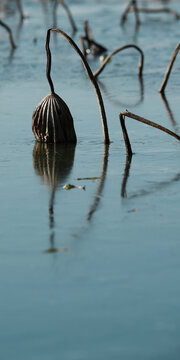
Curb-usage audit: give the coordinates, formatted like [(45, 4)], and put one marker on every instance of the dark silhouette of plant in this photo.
[(126, 113), (89, 45), (11, 40), (169, 68), (52, 121)]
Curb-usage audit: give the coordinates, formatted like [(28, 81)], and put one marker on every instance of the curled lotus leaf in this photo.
[(52, 121)]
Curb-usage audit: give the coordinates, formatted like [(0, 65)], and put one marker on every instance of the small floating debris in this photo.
[(71, 186), (54, 250), (132, 210), (89, 178)]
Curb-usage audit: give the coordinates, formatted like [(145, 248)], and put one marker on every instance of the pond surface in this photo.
[(90, 274)]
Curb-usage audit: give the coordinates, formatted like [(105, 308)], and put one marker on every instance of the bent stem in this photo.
[(89, 74), (91, 43), (9, 33), (126, 113), (158, 10), (61, 2), (169, 68), (19, 6), (141, 60)]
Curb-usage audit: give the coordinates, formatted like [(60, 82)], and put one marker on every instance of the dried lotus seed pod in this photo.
[(52, 121)]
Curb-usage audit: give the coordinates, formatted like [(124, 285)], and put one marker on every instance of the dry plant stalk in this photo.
[(158, 10), (19, 6), (141, 60), (46, 122), (9, 33), (92, 45), (126, 113), (169, 68), (70, 17), (132, 7)]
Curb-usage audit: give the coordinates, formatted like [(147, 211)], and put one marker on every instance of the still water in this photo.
[(89, 274)]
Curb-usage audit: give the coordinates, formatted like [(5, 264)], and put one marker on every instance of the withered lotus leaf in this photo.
[(52, 121)]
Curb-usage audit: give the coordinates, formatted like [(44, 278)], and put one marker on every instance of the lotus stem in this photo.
[(169, 68), (91, 43), (68, 14), (89, 74), (158, 10), (141, 60), (126, 113), (19, 6), (9, 33), (132, 7)]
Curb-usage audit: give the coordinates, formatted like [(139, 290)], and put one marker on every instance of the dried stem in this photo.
[(168, 71), (68, 14), (132, 7), (88, 71), (126, 113), (19, 6), (10, 34), (124, 14), (141, 61), (92, 45), (158, 10)]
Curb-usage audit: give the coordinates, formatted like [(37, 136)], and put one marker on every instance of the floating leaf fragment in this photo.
[(89, 178), (132, 210), (53, 250), (71, 186)]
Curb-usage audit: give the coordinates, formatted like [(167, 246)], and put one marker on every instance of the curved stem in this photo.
[(69, 15), (88, 71), (19, 6), (141, 61), (168, 71), (154, 10), (143, 120), (48, 66), (10, 34)]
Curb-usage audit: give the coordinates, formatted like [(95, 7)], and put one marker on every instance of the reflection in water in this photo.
[(171, 117), (126, 175), (53, 163), (101, 183), (154, 187), (116, 102)]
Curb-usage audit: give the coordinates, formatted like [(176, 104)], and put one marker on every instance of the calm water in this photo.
[(90, 274)]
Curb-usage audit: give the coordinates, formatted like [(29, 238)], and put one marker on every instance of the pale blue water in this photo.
[(111, 290)]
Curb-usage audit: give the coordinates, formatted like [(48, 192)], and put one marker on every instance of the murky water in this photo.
[(90, 274)]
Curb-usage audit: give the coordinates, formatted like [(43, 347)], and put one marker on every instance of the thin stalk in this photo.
[(134, 6), (89, 74), (69, 15), (9, 33), (126, 113), (154, 10), (125, 12), (169, 68), (141, 60), (19, 6)]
